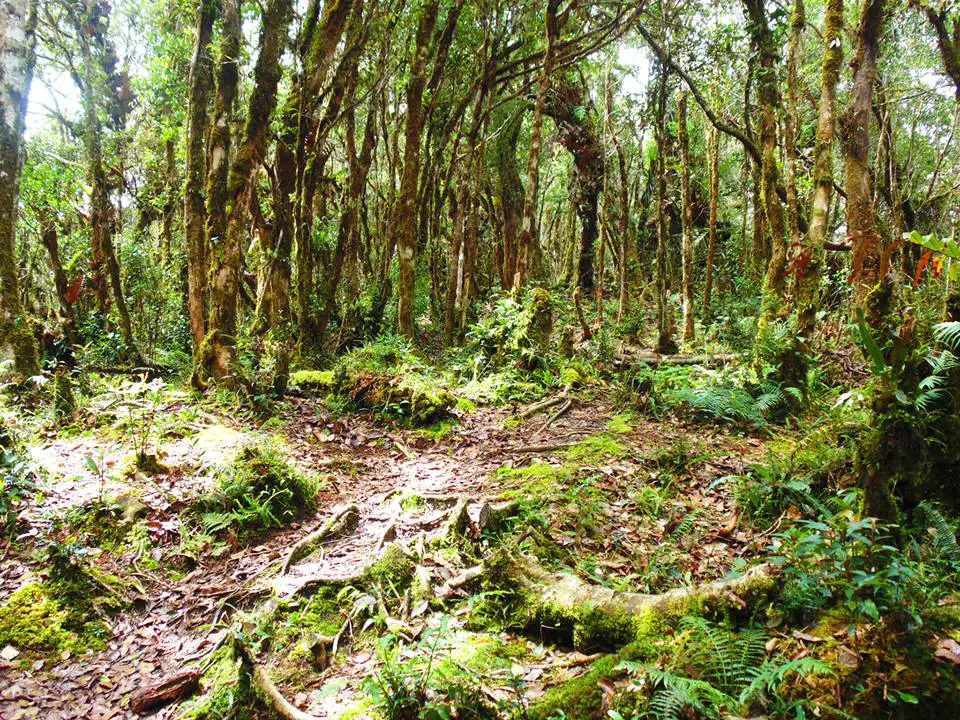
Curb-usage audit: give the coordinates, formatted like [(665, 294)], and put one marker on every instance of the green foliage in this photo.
[(259, 490), (18, 483), (724, 671), (846, 561), (512, 331)]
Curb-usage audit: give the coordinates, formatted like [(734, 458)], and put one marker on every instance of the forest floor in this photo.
[(403, 482)]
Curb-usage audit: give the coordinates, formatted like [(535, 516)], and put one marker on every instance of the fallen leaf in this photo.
[(9, 652)]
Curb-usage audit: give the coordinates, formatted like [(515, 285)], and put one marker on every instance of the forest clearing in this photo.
[(439, 360)]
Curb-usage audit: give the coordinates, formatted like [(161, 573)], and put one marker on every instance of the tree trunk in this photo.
[(553, 26), (404, 224), (49, 238), (686, 219), (17, 58), (220, 360), (194, 212), (713, 145), (855, 142), (810, 267), (791, 123), (218, 163), (665, 342), (511, 195), (91, 29), (768, 95)]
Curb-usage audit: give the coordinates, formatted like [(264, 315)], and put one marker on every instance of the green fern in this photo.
[(948, 333), (944, 539), (676, 696), (768, 677)]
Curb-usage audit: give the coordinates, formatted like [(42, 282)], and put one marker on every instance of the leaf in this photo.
[(90, 464), (870, 344)]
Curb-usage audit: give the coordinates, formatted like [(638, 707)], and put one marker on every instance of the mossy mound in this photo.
[(311, 380), (34, 620), (258, 490), (411, 398)]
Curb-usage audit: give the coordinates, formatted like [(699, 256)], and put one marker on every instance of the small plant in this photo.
[(18, 484), (846, 561), (259, 490), (725, 672)]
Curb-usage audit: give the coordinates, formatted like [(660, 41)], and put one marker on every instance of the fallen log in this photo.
[(343, 521), (166, 691), (597, 616)]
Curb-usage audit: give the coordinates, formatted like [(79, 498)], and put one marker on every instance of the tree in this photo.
[(17, 57), (686, 218)]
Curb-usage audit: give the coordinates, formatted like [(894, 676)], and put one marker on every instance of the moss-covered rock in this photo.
[(33, 620)]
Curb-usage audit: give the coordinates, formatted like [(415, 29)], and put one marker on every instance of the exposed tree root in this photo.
[(548, 447), (602, 616), (542, 405), (553, 418), (343, 521), (268, 691), (625, 360)]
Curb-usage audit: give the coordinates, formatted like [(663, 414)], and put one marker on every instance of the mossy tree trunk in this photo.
[(226, 266), (686, 219), (713, 149), (768, 95), (17, 57), (855, 142), (553, 25), (404, 216), (194, 211), (509, 191), (665, 341)]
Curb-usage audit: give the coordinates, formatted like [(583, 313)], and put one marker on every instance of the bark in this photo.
[(768, 96), (226, 265), (91, 30), (218, 158), (50, 239), (686, 219), (713, 145), (947, 29), (404, 217), (17, 57), (623, 215), (578, 134), (791, 123), (511, 196), (811, 259), (553, 24), (855, 143), (665, 342), (320, 35), (194, 211)]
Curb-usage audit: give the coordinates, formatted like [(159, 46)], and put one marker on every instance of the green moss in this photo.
[(438, 430), (465, 405), (411, 502), (596, 448), (227, 693), (312, 379), (578, 699), (620, 424), (34, 619), (394, 568)]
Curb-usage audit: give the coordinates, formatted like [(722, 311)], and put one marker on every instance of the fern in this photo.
[(676, 696), (726, 659), (767, 677), (948, 333), (944, 540)]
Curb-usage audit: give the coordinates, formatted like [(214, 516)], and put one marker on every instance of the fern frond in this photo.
[(766, 678), (944, 540), (948, 333)]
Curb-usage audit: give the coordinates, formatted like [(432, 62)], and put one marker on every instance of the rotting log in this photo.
[(625, 360), (166, 691)]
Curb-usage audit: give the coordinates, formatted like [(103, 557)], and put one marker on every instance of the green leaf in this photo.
[(874, 353), (90, 464)]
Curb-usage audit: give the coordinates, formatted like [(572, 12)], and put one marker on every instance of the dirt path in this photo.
[(175, 622)]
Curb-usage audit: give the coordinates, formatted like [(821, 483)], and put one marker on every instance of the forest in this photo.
[(449, 359)]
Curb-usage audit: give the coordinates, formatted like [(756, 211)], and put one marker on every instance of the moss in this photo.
[(466, 405), (596, 448), (580, 698), (570, 377), (226, 692), (393, 568), (312, 379), (411, 502), (620, 424), (64, 402), (34, 619), (438, 430)]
